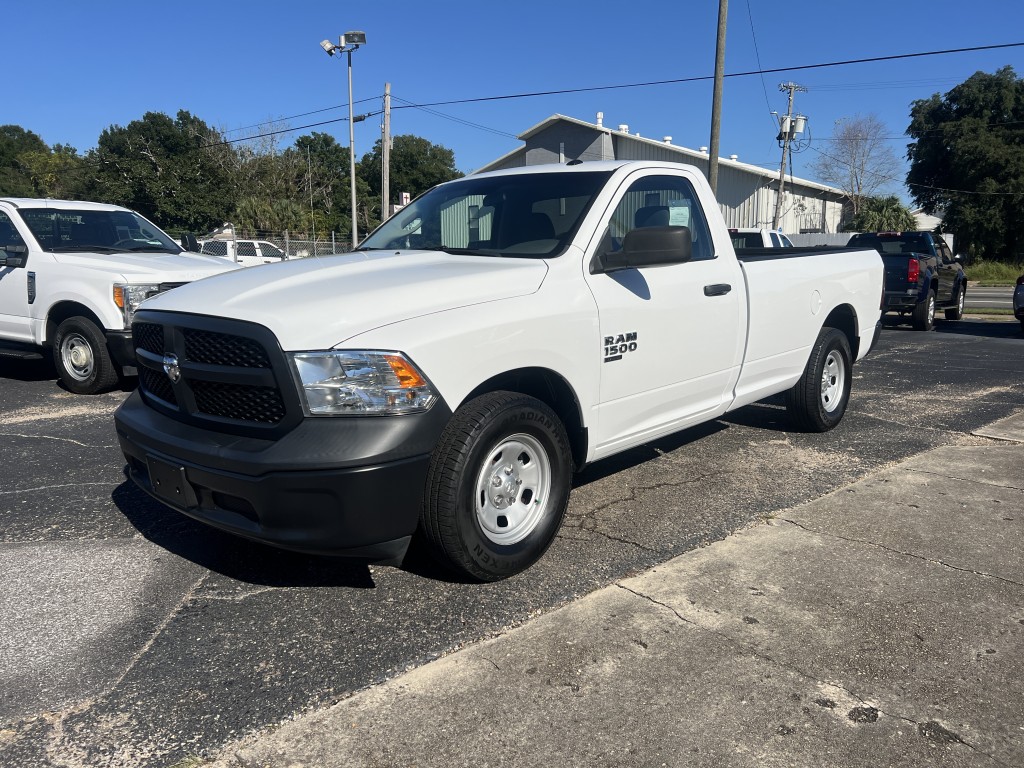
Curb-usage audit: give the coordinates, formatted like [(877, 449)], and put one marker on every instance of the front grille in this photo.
[(224, 349), (149, 336), (232, 401), (157, 384), (228, 375)]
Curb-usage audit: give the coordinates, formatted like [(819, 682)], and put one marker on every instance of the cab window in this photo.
[(660, 201), (8, 234)]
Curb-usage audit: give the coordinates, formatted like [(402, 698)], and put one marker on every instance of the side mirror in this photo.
[(13, 256), (650, 247), (189, 243)]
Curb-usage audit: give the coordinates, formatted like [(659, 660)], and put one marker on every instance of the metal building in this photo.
[(746, 193)]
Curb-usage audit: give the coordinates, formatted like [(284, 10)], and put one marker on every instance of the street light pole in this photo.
[(349, 42), (352, 154)]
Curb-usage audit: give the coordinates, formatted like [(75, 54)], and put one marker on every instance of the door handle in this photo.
[(718, 289)]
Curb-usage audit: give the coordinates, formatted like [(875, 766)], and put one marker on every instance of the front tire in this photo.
[(817, 402), (498, 486), (957, 312), (81, 357), (924, 313)]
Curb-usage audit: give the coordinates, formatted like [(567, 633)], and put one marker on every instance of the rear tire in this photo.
[(957, 312), (498, 486), (81, 357), (924, 313), (817, 402)]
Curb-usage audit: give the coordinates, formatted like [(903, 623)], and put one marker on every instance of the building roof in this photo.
[(686, 154)]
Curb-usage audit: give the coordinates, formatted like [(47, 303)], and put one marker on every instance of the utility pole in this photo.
[(788, 128), (385, 156), (716, 98)]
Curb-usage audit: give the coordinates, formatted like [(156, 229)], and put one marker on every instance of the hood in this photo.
[(317, 303), (150, 267)]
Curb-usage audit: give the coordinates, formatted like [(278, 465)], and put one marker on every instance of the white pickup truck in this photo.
[(72, 274), (754, 237), (500, 332)]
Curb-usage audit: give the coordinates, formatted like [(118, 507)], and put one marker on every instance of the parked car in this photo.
[(921, 275), (1018, 302), (500, 332), (72, 275), (752, 237), (248, 253)]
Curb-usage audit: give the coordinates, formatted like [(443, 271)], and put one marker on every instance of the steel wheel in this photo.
[(512, 489), (833, 381), (78, 356), (498, 486)]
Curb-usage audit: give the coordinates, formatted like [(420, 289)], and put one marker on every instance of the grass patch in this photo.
[(994, 272), (988, 311)]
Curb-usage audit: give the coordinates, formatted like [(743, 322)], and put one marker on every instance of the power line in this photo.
[(456, 119), (757, 56), (703, 78)]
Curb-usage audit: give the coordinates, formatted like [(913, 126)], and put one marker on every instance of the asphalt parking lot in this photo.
[(134, 636)]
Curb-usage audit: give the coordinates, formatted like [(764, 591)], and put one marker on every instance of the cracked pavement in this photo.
[(134, 636)]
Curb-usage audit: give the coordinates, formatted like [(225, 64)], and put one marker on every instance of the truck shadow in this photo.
[(43, 370), (970, 326), (644, 453), (232, 556)]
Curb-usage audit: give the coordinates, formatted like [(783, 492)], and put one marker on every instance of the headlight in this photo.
[(360, 382), (128, 297)]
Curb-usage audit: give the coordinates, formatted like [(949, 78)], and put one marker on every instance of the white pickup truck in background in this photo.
[(72, 274), (500, 332), (752, 237)]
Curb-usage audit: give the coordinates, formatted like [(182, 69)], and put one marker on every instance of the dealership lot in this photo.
[(136, 636)]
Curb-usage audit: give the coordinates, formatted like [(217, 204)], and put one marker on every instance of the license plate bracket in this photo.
[(170, 483)]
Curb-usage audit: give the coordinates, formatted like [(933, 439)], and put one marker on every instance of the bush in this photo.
[(994, 272)]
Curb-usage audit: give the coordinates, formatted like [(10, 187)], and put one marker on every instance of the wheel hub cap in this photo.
[(833, 381), (512, 489)]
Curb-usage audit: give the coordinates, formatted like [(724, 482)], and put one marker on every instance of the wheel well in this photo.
[(552, 390), (844, 318), (61, 312)]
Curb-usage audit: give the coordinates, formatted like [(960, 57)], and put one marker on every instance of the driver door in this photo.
[(14, 299), (672, 336)]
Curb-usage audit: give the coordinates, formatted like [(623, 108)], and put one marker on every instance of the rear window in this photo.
[(746, 239)]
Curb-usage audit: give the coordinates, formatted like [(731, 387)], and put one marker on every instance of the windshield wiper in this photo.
[(461, 251), (149, 248), (85, 249)]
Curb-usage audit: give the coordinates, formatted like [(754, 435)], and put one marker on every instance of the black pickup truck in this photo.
[(921, 274)]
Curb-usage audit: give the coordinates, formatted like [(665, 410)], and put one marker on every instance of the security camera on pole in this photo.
[(790, 126), (349, 42)]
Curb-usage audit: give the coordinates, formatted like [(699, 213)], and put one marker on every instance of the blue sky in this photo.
[(76, 68)]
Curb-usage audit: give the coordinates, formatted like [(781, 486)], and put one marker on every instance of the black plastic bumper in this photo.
[(340, 486), (122, 350)]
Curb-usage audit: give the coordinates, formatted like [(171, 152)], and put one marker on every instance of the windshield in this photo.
[(66, 231), (532, 215)]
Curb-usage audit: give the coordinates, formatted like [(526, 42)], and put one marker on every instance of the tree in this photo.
[(858, 160), (55, 173), (15, 177), (882, 214), (416, 166), (167, 170), (967, 162)]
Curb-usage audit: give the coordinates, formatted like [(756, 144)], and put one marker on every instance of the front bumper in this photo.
[(122, 350), (340, 486)]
